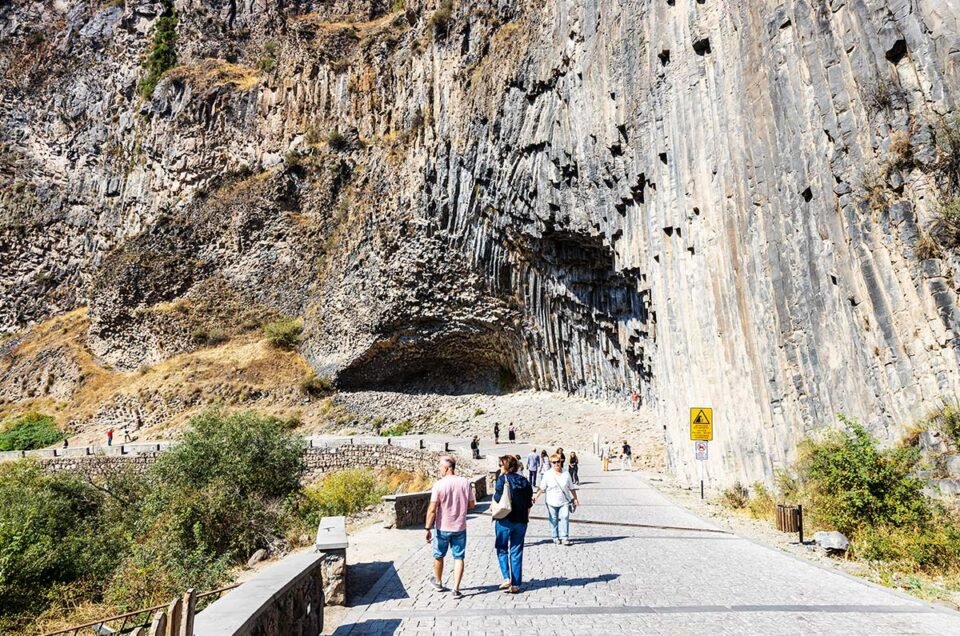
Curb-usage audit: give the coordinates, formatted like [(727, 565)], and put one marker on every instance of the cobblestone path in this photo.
[(679, 578)]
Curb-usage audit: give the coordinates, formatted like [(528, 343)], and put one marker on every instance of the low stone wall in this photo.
[(331, 459), (99, 465), (283, 599), (410, 509)]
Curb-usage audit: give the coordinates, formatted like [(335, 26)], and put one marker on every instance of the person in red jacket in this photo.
[(110, 437)]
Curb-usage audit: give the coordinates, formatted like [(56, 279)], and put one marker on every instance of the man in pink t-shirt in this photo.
[(450, 499)]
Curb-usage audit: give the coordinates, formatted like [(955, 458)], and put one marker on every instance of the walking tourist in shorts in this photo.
[(451, 498)]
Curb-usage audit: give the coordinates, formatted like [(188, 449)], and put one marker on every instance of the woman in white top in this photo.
[(560, 493)]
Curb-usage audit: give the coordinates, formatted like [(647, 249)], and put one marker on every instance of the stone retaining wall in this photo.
[(330, 459), (285, 598), (410, 509)]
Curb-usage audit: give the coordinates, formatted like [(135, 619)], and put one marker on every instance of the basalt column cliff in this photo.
[(728, 204)]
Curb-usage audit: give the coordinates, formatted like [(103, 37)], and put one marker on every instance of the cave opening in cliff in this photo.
[(435, 357)]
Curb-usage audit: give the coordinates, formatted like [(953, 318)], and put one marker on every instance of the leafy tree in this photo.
[(30, 431)]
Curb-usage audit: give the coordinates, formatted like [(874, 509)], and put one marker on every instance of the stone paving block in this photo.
[(661, 570)]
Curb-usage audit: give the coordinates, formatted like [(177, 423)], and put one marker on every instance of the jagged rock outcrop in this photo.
[(720, 203)]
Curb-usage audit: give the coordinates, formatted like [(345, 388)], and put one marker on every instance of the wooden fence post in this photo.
[(159, 625), (188, 608), (174, 617)]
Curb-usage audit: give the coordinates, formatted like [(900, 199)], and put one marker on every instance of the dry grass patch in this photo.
[(213, 73)]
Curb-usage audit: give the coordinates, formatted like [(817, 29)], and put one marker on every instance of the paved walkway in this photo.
[(625, 579)]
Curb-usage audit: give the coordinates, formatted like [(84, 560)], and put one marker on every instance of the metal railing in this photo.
[(128, 625)]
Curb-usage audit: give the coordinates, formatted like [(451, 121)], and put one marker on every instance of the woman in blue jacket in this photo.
[(511, 530)]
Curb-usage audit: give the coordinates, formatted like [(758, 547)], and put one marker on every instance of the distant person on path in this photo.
[(110, 436), (635, 400), (544, 467), (519, 464), (126, 433), (475, 447), (512, 432), (626, 457), (65, 443), (533, 466), (561, 494), (574, 468), (450, 499), (605, 456), (510, 531), (563, 458), (496, 432)]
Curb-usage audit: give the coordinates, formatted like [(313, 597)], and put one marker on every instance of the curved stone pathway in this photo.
[(627, 579)]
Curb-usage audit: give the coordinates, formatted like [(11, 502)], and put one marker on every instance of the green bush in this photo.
[(51, 533), (342, 493), (763, 504), (441, 19), (163, 53), (933, 548), (337, 142), (947, 419), (401, 428), (736, 497), (284, 334), (315, 385), (30, 431), (853, 484), (946, 224)]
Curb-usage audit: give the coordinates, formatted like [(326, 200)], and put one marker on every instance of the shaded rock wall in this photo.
[(700, 200)]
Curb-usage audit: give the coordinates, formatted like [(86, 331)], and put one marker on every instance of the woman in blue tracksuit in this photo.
[(511, 530)]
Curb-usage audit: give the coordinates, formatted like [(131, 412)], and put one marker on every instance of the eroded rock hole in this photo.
[(664, 56), (807, 195), (897, 51), (701, 46), (663, 158)]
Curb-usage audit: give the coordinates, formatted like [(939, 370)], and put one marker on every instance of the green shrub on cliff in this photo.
[(284, 334), (30, 431), (163, 52), (342, 493)]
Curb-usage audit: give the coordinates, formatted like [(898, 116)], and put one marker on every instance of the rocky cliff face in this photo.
[(727, 204)]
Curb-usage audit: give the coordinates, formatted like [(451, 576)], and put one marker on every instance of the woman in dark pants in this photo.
[(511, 530), (574, 468)]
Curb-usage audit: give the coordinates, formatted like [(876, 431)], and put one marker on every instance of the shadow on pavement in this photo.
[(364, 576), (379, 626), (562, 581), (576, 540)]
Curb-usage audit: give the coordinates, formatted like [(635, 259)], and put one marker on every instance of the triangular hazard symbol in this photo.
[(701, 419)]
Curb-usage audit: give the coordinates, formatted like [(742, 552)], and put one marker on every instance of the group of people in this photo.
[(626, 456), (511, 432), (550, 477)]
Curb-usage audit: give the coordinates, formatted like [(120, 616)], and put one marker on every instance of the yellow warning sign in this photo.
[(701, 424)]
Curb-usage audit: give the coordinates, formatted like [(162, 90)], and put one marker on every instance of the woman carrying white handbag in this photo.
[(512, 501), (561, 499)]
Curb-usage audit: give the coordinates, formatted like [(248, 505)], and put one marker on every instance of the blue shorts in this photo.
[(456, 541)]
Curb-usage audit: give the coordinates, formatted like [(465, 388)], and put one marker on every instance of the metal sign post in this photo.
[(701, 432)]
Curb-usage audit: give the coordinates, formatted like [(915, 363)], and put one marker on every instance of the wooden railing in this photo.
[(173, 619)]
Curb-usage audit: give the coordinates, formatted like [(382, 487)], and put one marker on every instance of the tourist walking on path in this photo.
[(110, 436), (510, 531), (475, 447), (626, 457), (574, 468), (450, 499), (533, 466), (544, 467), (512, 432), (605, 456), (496, 432), (563, 458), (561, 496), (635, 400)]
